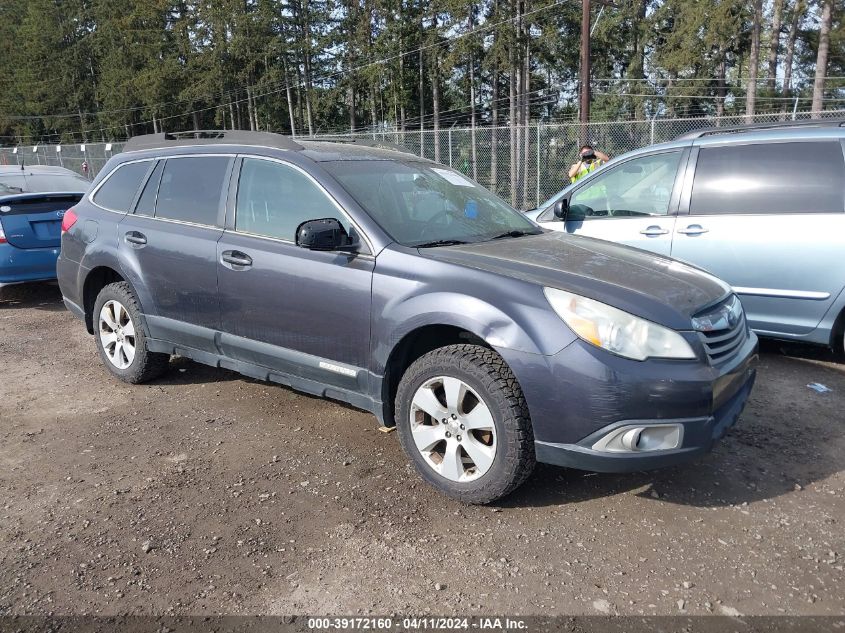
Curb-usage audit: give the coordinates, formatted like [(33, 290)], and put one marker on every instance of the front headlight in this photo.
[(616, 330)]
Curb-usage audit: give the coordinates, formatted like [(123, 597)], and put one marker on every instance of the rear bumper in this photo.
[(27, 264), (74, 309)]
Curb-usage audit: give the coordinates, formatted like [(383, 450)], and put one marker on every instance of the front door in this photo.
[(300, 312), (629, 203), (768, 218)]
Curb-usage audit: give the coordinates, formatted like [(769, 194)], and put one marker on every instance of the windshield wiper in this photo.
[(441, 243), (514, 233)]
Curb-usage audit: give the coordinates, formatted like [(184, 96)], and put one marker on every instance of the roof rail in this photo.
[(209, 137), (753, 127), (365, 142)]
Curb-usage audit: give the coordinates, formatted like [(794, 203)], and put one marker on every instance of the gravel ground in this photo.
[(206, 492)]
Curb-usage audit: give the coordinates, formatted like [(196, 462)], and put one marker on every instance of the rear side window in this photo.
[(800, 177), (190, 189), (119, 189)]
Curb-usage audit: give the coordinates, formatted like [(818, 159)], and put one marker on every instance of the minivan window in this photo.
[(638, 187), (274, 199), (147, 202), (423, 204), (190, 189), (118, 191), (797, 177)]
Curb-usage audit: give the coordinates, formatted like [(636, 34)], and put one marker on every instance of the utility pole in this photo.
[(584, 117)]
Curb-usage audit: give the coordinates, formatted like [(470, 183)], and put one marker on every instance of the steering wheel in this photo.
[(437, 218)]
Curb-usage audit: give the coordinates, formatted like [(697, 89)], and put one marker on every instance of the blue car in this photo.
[(33, 202)]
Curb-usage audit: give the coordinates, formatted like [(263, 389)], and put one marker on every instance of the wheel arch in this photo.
[(411, 346), (96, 279), (837, 335)]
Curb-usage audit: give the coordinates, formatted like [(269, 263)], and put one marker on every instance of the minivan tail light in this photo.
[(3, 239), (69, 220)]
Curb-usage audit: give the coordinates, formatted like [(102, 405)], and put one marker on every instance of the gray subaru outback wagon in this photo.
[(399, 286)]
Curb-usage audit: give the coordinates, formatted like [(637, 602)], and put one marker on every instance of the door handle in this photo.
[(135, 238), (693, 229), (236, 258), (654, 230)]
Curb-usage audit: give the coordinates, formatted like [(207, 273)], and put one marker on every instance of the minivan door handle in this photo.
[(236, 259), (654, 230), (693, 229), (135, 238)]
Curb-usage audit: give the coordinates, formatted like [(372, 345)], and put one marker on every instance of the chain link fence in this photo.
[(522, 164)]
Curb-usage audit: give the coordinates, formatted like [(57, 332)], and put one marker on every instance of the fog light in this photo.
[(631, 439), (641, 438)]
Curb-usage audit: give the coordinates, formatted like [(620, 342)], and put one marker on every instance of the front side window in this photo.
[(419, 203), (274, 199), (191, 189), (800, 177), (636, 188), (118, 191)]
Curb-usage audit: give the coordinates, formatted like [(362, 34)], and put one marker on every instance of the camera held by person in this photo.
[(589, 159)]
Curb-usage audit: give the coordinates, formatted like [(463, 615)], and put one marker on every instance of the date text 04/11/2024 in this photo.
[(417, 623)]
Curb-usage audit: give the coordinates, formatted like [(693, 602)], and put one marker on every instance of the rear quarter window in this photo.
[(769, 178), (119, 189)]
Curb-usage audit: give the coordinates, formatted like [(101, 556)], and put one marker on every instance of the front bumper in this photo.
[(27, 264), (581, 394), (699, 437)]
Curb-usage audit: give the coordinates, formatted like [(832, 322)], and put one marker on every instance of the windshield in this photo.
[(33, 183), (420, 204)]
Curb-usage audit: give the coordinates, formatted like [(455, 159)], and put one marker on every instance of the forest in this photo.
[(90, 70)]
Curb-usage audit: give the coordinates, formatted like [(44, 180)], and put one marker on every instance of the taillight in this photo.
[(3, 239), (68, 220)]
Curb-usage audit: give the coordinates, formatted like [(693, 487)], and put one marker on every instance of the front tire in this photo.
[(120, 336), (463, 420)]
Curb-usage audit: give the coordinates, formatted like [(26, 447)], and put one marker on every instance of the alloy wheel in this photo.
[(117, 334), (453, 429)]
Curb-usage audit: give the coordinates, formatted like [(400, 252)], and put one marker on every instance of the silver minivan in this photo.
[(762, 207)]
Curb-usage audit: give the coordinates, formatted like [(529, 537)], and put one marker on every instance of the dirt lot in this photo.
[(206, 492)]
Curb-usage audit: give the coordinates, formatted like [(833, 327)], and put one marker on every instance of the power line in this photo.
[(480, 29)]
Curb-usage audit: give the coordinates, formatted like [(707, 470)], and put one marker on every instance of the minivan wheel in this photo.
[(463, 421), (120, 336)]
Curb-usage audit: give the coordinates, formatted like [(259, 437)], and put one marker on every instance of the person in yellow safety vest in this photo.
[(589, 160)]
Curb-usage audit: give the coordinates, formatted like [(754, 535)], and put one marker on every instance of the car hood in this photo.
[(653, 287)]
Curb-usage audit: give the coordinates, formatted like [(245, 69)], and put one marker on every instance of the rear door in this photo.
[(769, 218), (632, 202), (169, 245), (35, 220)]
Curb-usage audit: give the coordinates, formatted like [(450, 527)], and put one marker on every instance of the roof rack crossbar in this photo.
[(752, 127), (209, 137)]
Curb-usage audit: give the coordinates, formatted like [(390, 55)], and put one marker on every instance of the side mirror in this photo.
[(324, 235), (561, 208)]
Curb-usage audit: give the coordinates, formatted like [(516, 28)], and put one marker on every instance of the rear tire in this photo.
[(463, 421), (120, 336)]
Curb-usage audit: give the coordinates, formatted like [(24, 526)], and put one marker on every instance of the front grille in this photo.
[(722, 330)]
